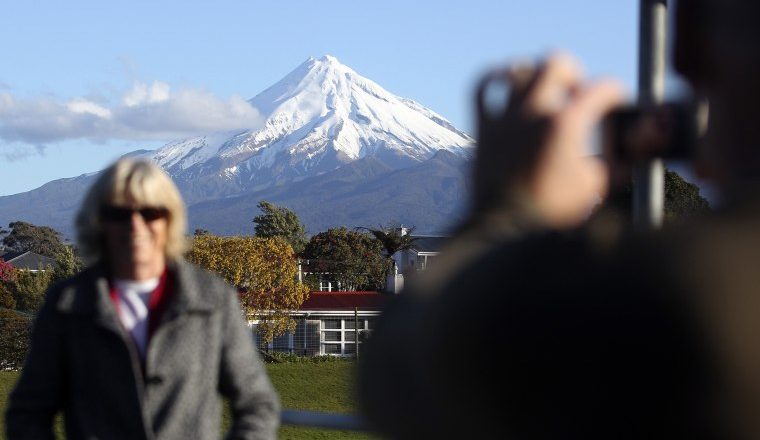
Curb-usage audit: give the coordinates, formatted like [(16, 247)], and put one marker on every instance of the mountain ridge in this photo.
[(323, 124)]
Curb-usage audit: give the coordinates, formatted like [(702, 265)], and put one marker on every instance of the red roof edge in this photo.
[(345, 301)]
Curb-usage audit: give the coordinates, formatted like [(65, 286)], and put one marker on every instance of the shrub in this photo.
[(282, 358), (15, 332), (29, 288), (6, 297)]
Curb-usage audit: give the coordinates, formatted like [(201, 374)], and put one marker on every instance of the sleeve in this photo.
[(243, 380), (38, 394)]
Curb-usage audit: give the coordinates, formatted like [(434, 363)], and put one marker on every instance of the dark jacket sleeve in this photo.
[(39, 392), (243, 380)]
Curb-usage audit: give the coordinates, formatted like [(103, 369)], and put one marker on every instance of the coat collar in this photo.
[(90, 295), (188, 294)]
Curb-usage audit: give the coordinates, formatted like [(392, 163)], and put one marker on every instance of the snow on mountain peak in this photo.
[(319, 116), (329, 59)]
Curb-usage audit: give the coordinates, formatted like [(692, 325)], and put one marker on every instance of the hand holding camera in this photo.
[(532, 144), (536, 134)]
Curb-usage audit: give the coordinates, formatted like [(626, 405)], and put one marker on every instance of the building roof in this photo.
[(429, 243), (28, 260), (348, 301), (8, 256)]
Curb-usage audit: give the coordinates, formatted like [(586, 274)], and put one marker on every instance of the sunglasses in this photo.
[(121, 214)]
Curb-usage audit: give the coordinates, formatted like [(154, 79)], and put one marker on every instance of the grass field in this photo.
[(309, 386)]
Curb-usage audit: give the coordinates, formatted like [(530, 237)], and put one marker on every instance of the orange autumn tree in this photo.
[(265, 270)]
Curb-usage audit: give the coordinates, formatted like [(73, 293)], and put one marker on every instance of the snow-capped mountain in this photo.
[(318, 117), (332, 145)]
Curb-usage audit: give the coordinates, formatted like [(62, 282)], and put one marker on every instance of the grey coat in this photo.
[(84, 363)]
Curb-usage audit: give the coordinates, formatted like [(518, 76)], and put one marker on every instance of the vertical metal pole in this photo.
[(649, 176), (356, 331)]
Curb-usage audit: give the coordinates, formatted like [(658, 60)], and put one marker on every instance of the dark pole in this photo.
[(649, 176), (356, 331)]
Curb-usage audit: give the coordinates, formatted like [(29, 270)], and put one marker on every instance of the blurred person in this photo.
[(538, 325), (141, 344)]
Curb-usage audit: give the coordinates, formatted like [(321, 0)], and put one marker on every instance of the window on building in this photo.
[(328, 336), (331, 323), (338, 335)]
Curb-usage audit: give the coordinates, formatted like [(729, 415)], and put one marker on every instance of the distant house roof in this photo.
[(429, 243), (348, 301), (28, 260)]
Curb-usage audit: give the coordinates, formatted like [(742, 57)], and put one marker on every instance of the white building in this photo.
[(327, 323)]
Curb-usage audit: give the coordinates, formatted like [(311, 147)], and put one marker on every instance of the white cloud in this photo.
[(141, 94), (145, 112), (82, 106)]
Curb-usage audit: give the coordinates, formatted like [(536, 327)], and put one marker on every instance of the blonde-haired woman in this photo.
[(140, 344)]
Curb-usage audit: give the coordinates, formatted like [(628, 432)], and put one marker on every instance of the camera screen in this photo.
[(640, 133)]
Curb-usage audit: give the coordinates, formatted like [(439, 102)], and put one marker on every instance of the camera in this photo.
[(668, 131)]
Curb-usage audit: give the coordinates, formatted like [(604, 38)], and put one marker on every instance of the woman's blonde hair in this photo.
[(130, 181)]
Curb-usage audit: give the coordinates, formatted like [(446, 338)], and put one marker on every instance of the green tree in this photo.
[(263, 269), (392, 239), (6, 297), (15, 329), (28, 290), (25, 290), (352, 258), (3, 232), (276, 221), (67, 264), (682, 199), (26, 237)]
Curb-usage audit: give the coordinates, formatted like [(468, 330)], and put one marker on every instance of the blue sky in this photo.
[(93, 57)]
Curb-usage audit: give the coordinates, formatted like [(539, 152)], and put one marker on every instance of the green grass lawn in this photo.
[(323, 386)]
